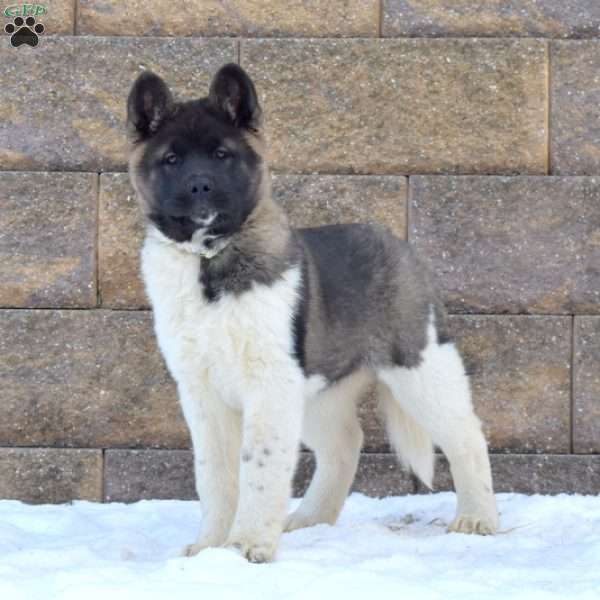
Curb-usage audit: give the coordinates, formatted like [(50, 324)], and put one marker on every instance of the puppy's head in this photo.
[(196, 166)]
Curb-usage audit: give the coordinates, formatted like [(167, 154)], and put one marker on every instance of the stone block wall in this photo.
[(470, 128)]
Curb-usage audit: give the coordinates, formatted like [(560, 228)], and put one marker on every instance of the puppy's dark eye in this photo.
[(221, 153), (170, 158)]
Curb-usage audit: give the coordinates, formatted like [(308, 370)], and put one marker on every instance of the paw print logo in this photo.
[(24, 31)]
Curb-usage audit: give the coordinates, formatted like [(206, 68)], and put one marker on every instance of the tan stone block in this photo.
[(85, 379), (575, 102), (586, 385), (533, 474), (69, 112), (372, 424), (120, 236), (521, 379), (377, 475), (402, 106), (47, 239), (381, 475), (60, 18), (312, 200), (316, 18), (510, 244), (50, 475), (495, 18), (131, 475)]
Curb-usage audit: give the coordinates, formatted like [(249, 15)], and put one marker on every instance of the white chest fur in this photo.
[(223, 346)]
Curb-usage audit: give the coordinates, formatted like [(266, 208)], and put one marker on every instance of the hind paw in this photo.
[(473, 524)]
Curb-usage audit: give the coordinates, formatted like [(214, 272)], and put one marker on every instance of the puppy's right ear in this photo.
[(150, 102)]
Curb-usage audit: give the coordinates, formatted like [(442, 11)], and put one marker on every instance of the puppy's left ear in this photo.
[(233, 94)]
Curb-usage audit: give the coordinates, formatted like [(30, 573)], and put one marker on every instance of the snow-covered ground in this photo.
[(390, 548)]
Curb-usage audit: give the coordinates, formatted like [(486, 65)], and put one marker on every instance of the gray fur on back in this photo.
[(367, 301)]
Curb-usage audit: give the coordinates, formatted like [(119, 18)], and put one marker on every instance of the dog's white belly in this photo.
[(217, 349)]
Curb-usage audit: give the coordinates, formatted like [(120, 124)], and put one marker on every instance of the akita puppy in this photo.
[(272, 333)]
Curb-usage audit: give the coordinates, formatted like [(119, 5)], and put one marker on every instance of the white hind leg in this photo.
[(411, 442), (437, 396), (331, 429)]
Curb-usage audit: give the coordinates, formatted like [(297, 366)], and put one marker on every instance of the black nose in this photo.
[(200, 186)]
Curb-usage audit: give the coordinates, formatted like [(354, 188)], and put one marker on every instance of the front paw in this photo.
[(254, 551)]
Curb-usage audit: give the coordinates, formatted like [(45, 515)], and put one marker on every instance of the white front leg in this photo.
[(216, 434), (272, 424)]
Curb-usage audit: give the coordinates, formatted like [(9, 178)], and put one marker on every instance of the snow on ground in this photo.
[(389, 548)]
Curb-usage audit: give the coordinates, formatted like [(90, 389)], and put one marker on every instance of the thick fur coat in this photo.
[(273, 334)]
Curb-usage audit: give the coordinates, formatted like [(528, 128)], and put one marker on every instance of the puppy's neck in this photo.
[(267, 228), (259, 253)]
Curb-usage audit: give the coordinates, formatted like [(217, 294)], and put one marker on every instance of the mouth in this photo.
[(215, 225), (178, 229), (204, 221), (211, 232)]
